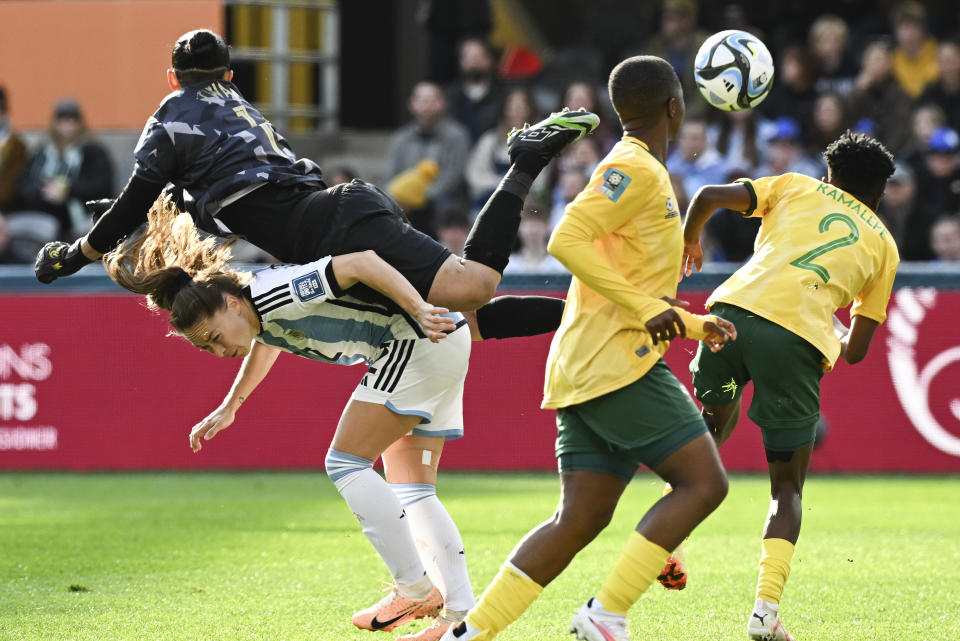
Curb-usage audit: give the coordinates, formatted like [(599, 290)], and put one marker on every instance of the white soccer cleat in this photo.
[(462, 632), (765, 625), (593, 623)]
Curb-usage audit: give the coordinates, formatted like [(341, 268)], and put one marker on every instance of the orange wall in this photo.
[(110, 55)]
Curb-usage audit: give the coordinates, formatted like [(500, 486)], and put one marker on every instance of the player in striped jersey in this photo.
[(407, 404)]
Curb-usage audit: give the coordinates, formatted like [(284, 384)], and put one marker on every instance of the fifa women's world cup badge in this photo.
[(925, 391), (614, 184)]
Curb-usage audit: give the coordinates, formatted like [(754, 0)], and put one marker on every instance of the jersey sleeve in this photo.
[(154, 155), (314, 282), (764, 193), (611, 199), (307, 284), (872, 301)]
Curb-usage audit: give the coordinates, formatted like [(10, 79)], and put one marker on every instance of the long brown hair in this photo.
[(175, 268)]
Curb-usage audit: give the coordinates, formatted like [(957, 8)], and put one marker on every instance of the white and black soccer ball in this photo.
[(734, 70)]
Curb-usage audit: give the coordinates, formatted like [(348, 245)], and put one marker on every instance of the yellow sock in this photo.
[(502, 603), (638, 566), (774, 569)]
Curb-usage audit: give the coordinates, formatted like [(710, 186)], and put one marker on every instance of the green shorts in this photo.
[(785, 370), (642, 423)]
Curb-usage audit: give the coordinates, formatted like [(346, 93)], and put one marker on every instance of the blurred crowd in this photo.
[(893, 72), (887, 74)]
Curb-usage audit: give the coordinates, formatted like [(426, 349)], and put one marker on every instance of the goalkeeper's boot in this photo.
[(765, 625), (674, 575), (593, 623), (548, 137), (394, 610)]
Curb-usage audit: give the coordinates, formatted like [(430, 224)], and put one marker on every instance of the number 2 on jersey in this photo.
[(806, 261)]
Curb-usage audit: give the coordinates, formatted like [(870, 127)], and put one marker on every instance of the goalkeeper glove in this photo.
[(58, 259)]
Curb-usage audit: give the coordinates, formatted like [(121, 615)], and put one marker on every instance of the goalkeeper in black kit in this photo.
[(245, 180)]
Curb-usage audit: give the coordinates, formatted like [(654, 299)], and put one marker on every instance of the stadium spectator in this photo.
[(10, 254), (453, 227), (877, 96), (945, 239), (695, 159), (923, 122), (570, 183), (67, 170), (580, 94), (727, 236), (915, 55), (488, 160), (836, 69), (792, 93), (432, 135), (581, 156), (475, 100), (898, 211), (945, 91), (785, 152), (447, 23), (738, 136), (533, 258), (13, 154), (829, 121), (677, 42), (938, 184)]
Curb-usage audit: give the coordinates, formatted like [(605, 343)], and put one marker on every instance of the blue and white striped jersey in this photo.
[(303, 311)]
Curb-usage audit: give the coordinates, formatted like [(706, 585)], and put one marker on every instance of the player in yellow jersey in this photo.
[(819, 248), (619, 406)]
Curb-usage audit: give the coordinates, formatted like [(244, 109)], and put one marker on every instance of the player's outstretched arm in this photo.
[(368, 268), (129, 211), (705, 202), (253, 370), (856, 343)]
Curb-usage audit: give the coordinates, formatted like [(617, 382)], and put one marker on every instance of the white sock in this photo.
[(439, 543), (765, 606), (381, 517)]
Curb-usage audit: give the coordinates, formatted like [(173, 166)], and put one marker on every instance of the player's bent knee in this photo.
[(584, 524), (342, 467)]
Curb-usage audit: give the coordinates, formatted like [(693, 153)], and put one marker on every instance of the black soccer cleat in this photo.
[(548, 137)]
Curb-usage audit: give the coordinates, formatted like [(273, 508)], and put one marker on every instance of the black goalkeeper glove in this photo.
[(58, 259)]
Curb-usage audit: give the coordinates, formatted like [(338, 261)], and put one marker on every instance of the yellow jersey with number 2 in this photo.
[(818, 250), (622, 240)]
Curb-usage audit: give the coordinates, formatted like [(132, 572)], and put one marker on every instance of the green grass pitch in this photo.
[(278, 556)]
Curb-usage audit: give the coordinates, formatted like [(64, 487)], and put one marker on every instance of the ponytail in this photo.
[(167, 261)]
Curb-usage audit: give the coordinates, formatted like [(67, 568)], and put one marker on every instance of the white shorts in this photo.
[(416, 376)]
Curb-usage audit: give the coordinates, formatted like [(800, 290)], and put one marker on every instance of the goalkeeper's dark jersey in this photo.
[(207, 139)]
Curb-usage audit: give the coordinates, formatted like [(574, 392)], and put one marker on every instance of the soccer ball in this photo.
[(733, 70)]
